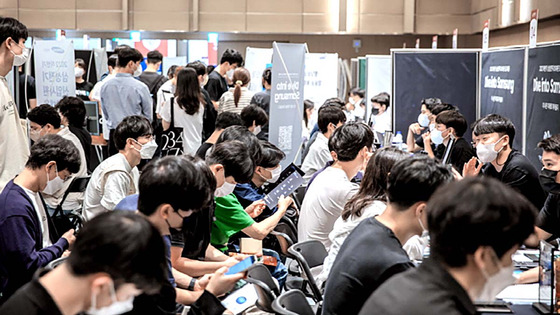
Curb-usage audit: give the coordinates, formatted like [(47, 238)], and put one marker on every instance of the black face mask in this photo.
[(548, 181), (375, 111)]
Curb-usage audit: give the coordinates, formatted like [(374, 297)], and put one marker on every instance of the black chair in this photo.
[(286, 235), (64, 222), (55, 263), (292, 302), (310, 254), (266, 288), (261, 273)]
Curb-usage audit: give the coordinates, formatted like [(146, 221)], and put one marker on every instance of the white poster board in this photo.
[(54, 70), (256, 60), (100, 58), (170, 61), (321, 77), (378, 77)]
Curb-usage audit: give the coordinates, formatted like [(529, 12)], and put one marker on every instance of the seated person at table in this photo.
[(373, 252), (494, 148), (425, 123), (548, 221), (325, 199), (223, 121), (254, 118), (460, 270), (330, 117), (28, 239), (117, 176), (268, 171), (450, 124), (72, 112)]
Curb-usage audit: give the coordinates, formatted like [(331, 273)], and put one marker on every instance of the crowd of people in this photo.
[(157, 232)]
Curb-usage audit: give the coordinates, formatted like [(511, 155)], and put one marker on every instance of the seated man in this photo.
[(548, 221), (223, 121), (494, 148), (325, 199), (373, 252), (117, 176), (460, 270), (28, 240), (330, 117), (44, 120), (254, 118)]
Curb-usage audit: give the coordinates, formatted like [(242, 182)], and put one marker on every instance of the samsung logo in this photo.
[(57, 50)]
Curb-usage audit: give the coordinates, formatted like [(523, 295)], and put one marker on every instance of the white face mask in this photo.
[(423, 120), (53, 185), (352, 101), (78, 72), (432, 127), (257, 130), (117, 307), (496, 282), (229, 74), (275, 173), (138, 71), (147, 151), (35, 135), (19, 60), (437, 136), (224, 190), (486, 152)]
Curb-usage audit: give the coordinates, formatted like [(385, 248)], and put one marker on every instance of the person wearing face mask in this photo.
[(83, 87), (217, 83), (210, 113), (262, 100), (356, 104), (548, 221), (425, 123), (373, 252), (223, 121), (494, 150), (254, 118), (124, 95), (29, 238), (117, 176), (450, 124), (13, 137), (44, 120), (116, 257), (461, 270), (380, 119)]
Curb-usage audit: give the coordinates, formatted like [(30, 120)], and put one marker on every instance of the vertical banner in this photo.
[(485, 35), (54, 71), (501, 87), (417, 46), (533, 28), (321, 77), (543, 98), (100, 58), (455, 35), (434, 42), (256, 60), (362, 72), (378, 78), (286, 101)]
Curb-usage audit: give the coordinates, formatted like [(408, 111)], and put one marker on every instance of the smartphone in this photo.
[(241, 266), (496, 307)]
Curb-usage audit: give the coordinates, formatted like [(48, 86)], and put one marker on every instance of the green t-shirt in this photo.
[(230, 219)]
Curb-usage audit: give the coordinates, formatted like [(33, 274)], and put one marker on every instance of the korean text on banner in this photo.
[(54, 71)]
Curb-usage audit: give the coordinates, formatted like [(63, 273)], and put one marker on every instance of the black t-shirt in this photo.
[(521, 175), (549, 217), (31, 94), (31, 299), (201, 152), (154, 81), (85, 139), (209, 119), (262, 99), (216, 86), (460, 154), (370, 255), (83, 89), (195, 234)]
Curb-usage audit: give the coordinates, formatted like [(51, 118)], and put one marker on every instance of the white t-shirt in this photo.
[(165, 92), (383, 122), (191, 124), (323, 204), (117, 186), (14, 144), (317, 157), (41, 215)]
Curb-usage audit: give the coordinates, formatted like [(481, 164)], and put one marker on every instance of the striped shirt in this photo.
[(228, 105)]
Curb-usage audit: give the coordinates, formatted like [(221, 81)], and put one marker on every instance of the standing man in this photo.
[(13, 139), (123, 95), (154, 81), (217, 83)]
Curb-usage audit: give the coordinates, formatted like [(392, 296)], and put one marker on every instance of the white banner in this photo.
[(321, 78), (54, 70), (256, 60), (172, 61), (100, 57), (378, 77)]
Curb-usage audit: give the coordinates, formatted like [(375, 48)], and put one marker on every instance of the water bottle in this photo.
[(398, 140)]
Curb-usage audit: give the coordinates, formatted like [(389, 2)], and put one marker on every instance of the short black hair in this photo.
[(171, 71), (334, 101), (127, 54), (226, 119), (198, 66), (382, 98), (453, 119), (551, 144), (10, 27), (329, 114), (54, 148), (124, 245), (185, 182), (74, 109), (474, 212), (271, 155), (44, 114), (357, 91), (248, 138), (112, 60), (81, 63), (436, 109), (236, 159), (267, 75), (430, 102), (253, 113), (232, 56), (495, 123), (348, 140), (131, 127), (415, 179), (154, 57)]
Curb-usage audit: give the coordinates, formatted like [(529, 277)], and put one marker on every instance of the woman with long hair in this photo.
[(371, 200), (188, 110), (239, 96)]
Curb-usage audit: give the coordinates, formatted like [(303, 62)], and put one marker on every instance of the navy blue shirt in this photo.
[(167, 241), (249, 193)]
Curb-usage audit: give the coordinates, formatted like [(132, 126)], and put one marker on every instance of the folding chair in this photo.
[(292, 302), (55, 263), (63, 222), (266, 288), (310, 254)]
